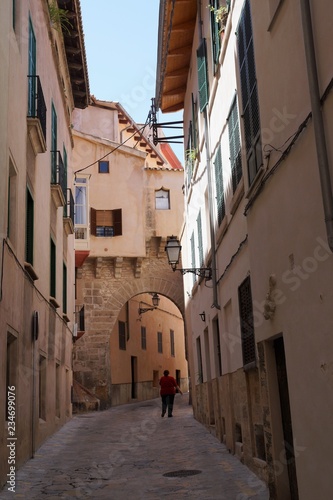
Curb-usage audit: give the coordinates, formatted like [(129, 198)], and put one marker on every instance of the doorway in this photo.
[(281, 370), (134, 376)]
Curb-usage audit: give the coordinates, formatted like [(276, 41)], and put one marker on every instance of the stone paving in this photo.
[(125, 452)]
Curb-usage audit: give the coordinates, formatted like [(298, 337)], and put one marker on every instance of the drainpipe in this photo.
[(209, 181), (317, 117)]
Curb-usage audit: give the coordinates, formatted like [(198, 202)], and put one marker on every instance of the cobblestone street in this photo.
[(128, 452)]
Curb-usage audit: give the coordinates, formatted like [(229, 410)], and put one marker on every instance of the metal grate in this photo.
[(182, 473), (246, 319)]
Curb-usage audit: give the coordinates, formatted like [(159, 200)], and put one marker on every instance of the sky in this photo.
[(121, 47)]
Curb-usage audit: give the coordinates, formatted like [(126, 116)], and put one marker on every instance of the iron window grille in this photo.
[(246, 322)]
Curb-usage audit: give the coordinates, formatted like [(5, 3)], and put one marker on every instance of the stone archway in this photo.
[(105, 285)]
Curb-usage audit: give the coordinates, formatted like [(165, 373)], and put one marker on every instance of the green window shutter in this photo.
[(64, 289), (235, 146), (215, 31), (32, 72), (52, 269), (202, 75), (219, 186), (194, 130), (29, 235), (193, 255), (249, 92), (200, 243)]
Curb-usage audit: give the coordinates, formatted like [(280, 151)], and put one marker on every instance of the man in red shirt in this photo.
[(168, 390)]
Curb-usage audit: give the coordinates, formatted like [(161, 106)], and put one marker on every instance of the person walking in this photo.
[(168, 390)]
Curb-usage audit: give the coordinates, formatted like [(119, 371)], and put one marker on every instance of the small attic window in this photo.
[(162, 199)]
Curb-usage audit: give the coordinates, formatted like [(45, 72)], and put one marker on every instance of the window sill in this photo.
[(250, 366), (54, 303), (30, 271)]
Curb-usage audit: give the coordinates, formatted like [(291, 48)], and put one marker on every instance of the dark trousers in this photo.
[(167, 403)]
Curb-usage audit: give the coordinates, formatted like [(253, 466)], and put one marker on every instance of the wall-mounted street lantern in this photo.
[(173, 249), (203, 316), (155, 300)]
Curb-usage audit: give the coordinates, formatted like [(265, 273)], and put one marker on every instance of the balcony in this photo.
[(69, 213), (58, 179), (36, 117)]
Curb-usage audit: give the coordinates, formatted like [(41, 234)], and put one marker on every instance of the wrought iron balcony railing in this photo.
[(36, 101), (58, 172)]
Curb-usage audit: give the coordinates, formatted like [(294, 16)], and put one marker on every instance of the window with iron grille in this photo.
[(202, 75), (200, 243), (172, 342), (159, 342), (106, 223), (143, 338), (249, 93), (235, 146), (220, 205), (122, 335), (246, 322)]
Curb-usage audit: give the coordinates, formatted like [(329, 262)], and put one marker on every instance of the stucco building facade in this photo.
[(254, 80), (129, 197), (40, 86)]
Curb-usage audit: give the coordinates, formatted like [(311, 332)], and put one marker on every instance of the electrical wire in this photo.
[(139, 130)]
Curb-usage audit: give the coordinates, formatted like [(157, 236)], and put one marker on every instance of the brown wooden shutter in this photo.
[(117, 222), (93, 221), (104, 218)]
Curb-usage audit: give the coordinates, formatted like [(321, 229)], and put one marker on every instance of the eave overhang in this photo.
[(75, 52), (177, 19)]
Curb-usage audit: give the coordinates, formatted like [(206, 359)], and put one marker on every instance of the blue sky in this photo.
[(121, 46)]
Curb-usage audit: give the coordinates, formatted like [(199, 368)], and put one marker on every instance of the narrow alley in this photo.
[(129, 451)]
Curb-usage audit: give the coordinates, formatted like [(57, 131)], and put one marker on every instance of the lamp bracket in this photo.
[(202, 272)]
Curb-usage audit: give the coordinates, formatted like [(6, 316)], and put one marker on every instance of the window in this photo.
[(122, 335), (246, 321), (199, 374), (143, 338), (200, 242), (193, 256), (57, 391), (172, 343), (29, 229), (52, 269), (215, 31), (159, 342), (106, 222), (12, 204), (64, 289), (235, 146), (81, 209), (202, 75), (249, 93), (162, 199), (217, 348), (54, 143), (103, 167), (32, 72), (42, 387), (220, 205), (11, 364)]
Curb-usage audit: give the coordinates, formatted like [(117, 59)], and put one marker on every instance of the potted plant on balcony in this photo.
[(221, 16)]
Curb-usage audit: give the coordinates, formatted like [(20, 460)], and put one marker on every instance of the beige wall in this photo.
[(20, 297), (274, 231), (118, 269)]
